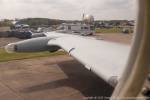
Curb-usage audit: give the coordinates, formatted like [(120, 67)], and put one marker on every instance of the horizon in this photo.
[(68, 9), (69, 19)]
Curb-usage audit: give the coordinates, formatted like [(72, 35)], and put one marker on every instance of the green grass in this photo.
[(4, 56), (108, 30)]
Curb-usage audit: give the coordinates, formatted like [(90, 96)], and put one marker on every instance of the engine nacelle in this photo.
[(31, 45)]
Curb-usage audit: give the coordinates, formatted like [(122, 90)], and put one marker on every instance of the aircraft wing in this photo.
[(106, 59)]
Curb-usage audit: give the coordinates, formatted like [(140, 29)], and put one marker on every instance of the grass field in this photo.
[(108, 30), (4, 56)]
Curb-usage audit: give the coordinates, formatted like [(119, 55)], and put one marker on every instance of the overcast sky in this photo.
[(68, 9)]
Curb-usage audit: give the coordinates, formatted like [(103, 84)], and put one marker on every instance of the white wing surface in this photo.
[(106, 59)]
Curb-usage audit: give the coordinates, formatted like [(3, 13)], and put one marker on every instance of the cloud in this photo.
[(68, 9)]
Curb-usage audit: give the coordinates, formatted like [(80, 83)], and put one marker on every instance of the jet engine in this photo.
[(31, 45)]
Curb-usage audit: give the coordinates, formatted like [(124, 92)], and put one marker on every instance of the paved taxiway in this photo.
[(49, 78)]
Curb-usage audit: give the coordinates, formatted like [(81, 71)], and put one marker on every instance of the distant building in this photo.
[(4, 31), (81, 29), (21, 26)]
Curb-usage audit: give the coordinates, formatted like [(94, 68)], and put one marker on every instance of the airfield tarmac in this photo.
[(52, 78), (49, 78)]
